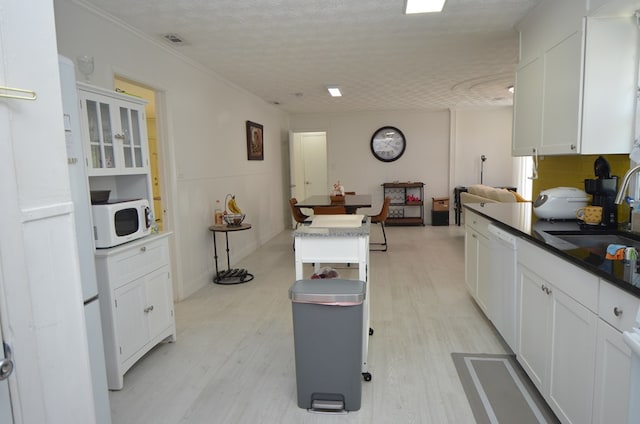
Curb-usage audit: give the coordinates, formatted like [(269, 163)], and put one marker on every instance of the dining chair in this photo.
[(329, 210), (380, 219), (298, 216)]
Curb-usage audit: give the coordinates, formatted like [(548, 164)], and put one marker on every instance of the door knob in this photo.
[(6, 364)]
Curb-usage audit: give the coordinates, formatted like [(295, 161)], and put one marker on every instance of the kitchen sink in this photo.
[(595, 242)]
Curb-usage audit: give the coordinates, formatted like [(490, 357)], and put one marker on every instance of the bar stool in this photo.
[(380, 219), (298, 216)]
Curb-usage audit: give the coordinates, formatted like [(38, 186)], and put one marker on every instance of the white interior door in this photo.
[(314, 156), (308, 164), (6, 415)]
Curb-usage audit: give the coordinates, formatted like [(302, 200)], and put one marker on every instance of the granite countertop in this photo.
[(519, 219), (310, 231)]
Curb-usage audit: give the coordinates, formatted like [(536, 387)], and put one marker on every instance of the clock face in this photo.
[(388, 144)]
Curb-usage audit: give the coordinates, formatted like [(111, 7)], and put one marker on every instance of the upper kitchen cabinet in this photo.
[(114, 131), (575, 89)]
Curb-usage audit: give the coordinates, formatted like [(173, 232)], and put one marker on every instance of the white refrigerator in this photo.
[(82, 211)]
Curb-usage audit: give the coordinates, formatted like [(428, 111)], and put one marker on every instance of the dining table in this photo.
[(351, 202)]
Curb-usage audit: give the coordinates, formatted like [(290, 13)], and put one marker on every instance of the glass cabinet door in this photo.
[(132, 141), (115, 133), (100, 134)]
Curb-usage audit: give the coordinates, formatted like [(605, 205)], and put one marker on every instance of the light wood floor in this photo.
[(234, 360)]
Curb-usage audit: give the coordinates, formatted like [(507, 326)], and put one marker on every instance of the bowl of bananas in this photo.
[(233, 219), (233, 216)]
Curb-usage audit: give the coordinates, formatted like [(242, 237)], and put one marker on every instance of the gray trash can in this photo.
[(327, 334)]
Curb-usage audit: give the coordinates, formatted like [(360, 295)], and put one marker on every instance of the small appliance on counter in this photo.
[(604, 189), (559, 203)]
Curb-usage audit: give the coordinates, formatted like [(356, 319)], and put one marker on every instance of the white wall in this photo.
[(482, 132), (443, 149), (350, 159), (202, 139)]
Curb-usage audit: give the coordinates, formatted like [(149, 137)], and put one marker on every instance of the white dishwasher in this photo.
[(503, 273)]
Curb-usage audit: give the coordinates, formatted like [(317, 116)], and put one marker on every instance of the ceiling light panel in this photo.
[(334, 91), (423, 6)]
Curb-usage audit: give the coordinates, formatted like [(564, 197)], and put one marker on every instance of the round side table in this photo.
[(229, 276)]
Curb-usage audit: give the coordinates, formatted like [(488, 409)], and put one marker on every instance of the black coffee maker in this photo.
[(604, 189)]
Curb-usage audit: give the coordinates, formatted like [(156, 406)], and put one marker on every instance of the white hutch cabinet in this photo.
[(136, 302), (134, 279)]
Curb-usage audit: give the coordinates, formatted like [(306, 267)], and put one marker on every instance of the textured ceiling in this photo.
[(288, 51)]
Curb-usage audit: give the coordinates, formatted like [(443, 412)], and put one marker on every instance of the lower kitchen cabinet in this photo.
[(477, 260), (613, 368), (136, 302), (569, 326), (617, 310), (572, 359), (533, 341), (556, 345)]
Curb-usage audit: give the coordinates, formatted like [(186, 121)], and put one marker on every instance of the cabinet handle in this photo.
[(548, 290), (617, 311), (573, 147), (148, 309), (143, 249), (118, 136)]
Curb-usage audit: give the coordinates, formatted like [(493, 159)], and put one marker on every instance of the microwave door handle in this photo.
[(147, 216)]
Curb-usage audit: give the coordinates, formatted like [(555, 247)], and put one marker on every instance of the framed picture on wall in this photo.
[(255, 147)]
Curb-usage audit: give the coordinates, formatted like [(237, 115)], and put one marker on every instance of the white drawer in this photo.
[(617, 307), (477, 222), (139, 260), (574, 281)]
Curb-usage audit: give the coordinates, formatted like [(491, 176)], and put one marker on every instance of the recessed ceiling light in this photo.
[(423, 6), (334, 91)]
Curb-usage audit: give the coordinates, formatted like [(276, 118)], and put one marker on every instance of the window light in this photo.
[(334, 91), (423, 6)]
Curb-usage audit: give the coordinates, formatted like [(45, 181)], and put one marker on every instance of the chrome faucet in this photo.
[(625, 183)]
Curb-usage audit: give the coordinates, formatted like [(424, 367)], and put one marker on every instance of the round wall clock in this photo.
[(388, 144)]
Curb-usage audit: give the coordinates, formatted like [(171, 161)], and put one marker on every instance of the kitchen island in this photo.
[(570, 305), (338, 239)]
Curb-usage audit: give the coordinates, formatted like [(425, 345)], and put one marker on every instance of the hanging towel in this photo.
[(615, 252)]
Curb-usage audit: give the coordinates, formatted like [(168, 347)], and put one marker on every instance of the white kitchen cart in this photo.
[(334, 239)]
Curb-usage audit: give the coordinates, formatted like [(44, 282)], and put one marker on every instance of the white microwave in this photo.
[(117, 222)]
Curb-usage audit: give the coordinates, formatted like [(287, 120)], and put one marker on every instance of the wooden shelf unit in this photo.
[(399, 206)]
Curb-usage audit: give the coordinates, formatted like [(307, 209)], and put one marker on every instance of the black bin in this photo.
[(439, 218)]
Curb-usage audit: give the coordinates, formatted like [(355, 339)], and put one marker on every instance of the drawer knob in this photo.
[(617, 311), (143, 249)]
